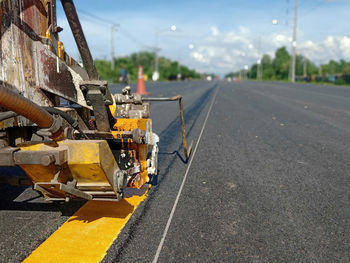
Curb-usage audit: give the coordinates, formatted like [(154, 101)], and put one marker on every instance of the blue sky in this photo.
[(225, 34)]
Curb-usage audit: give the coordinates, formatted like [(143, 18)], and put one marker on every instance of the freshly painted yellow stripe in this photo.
[(87, 235)]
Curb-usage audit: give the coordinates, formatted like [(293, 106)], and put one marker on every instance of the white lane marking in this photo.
[(160, 246)]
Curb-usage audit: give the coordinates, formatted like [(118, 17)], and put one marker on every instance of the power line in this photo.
[(114, 28), (103, 20), (131, 37), (111, 23), (310, 10)]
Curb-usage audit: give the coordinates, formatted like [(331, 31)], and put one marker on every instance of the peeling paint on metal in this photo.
[(27, 65)]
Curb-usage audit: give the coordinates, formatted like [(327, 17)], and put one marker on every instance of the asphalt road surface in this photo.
[(268, 181)]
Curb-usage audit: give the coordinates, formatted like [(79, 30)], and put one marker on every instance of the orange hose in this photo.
[(21, 105)]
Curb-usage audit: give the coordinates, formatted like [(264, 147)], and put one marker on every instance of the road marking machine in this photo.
[(59, 123)]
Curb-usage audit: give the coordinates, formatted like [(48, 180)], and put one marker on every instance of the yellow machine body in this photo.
[(89, 163), (59, 121), (141, 149)]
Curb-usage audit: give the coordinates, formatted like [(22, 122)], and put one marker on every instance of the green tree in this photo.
[(167, 69), (281, 63), (346, 69), (311, 68), (268, 71), (299, 65), (331, 68), (278, 68), (253, 72)]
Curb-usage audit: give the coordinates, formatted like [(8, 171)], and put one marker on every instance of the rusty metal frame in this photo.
[(31, 65), (80, 40)]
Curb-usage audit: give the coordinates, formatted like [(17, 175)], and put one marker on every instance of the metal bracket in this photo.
[(138, 136), (45, 187), (98, 96), (120, 181), (7, 156), (57, 157), (133, 170), (130, 105), (188, 150)]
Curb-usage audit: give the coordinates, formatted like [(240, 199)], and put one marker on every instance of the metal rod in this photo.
[(177, 97), (187, 151), (184, 141), (79, 37)]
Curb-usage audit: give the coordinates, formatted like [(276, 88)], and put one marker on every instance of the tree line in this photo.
[(168, 69), (278, 68)]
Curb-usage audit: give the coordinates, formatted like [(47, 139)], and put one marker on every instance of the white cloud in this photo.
[(329, 42), (198, 57), (214, 31), (345, 46), (230, 51), (226, 51), (280, 39), (332, 47), (215, 50)]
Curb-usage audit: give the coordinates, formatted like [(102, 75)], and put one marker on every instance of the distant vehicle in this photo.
[(332, 78), (123, 75), (209, 78), (155, 76)]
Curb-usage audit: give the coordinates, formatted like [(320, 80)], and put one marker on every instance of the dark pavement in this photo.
[(269, 181)]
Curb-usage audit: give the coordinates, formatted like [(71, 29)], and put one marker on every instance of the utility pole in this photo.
[(305, 67), (294, 43), (259, 72), (245, 72), (155, 75), (156, 61), (156, 49), (112, 46), (178, 71)]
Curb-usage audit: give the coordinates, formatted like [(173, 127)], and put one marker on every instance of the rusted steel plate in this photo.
[(29, 66)]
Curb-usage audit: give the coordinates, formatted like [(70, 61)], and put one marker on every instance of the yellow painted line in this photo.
[(87, 235)]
